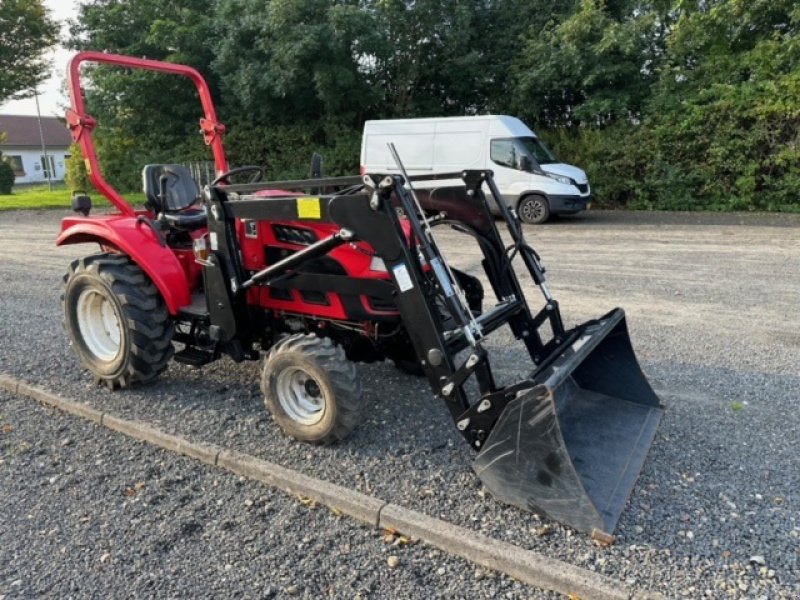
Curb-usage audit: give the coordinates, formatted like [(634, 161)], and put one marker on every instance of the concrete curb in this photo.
[(354, 504), (549, 573), (526, 566), (56, 401)]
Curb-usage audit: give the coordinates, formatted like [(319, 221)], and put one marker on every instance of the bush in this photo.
[(6, 177), (613, 158), (76, 177), (286, 150), (729, 147)]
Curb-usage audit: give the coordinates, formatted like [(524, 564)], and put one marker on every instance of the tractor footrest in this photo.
[(194, 357), (198, 307)]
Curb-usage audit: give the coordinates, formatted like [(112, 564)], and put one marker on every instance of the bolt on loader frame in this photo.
[(567, 441)]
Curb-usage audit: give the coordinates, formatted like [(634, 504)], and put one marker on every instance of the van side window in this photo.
[(503, 153)]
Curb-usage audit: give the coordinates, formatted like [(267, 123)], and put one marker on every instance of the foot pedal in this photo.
[(194, 356)]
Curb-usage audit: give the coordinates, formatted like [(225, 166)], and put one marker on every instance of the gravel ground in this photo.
[(87, 513), (712, 308)]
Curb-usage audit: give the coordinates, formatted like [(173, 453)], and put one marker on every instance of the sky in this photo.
[(52, 96)]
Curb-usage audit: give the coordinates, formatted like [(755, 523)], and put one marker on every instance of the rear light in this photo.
[(362, 170)]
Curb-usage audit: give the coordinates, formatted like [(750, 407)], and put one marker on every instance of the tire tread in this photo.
[(149, 325)]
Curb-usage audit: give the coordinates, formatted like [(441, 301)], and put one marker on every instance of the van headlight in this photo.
[(561, 179)]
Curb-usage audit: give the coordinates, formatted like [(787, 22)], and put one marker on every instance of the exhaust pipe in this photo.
[(571, 446)]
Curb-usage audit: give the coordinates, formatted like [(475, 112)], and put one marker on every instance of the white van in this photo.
[(527, 174)]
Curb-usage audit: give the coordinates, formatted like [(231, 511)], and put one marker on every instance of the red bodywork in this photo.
[(175, 274), (355, 259), (174, 270)]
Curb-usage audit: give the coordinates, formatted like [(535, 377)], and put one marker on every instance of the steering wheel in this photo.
[(257, 176)]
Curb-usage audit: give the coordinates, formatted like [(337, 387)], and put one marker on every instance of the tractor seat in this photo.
[(169, 188)]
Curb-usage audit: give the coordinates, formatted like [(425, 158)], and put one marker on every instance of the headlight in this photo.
[(561, 179)]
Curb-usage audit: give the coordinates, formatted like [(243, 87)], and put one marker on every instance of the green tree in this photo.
[(6, 177), (666, 103), (6, 172), (143, 116), (293, 62), (76, 176), (724, 121), (26, 33), (590, 66), (426, 61), (296, 77)]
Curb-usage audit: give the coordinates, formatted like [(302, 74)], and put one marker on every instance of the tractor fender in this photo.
[(141, 243)]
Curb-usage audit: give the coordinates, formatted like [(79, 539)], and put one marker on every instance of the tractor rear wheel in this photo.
[(117, 320), (311, 389)]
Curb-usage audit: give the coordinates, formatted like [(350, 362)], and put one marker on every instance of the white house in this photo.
[(23, 147)]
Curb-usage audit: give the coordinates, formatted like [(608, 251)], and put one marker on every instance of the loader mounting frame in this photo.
[(570, 439), (370, 215)]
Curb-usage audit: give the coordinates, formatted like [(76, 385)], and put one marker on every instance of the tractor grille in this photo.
[(280, 294), (381, 304), (294, 235), (314, 297)]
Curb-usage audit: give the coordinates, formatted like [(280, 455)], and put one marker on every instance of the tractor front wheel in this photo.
[(116, 319), (311, 389)]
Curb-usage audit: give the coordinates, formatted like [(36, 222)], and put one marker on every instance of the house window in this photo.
[(49, 166), (16, 164)]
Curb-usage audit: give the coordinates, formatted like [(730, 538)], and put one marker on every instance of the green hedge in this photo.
[(6, 177)]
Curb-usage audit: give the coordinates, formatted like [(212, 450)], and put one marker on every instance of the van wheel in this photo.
[(534, 210)]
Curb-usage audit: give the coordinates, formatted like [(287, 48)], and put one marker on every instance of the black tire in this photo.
[(533, 209), (409, 367), (117, 320), (311, 389)]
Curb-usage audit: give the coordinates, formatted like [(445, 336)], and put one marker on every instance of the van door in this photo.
[(504, 160)]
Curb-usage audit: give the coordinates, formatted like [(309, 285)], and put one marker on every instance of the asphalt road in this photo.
[(712, 308)]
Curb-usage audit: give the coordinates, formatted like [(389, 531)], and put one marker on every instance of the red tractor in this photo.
[(319, 273)]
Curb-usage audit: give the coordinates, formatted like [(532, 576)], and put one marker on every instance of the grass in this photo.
[(40, 197)]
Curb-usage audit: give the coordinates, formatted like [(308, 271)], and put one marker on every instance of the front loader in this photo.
[(318, 274)]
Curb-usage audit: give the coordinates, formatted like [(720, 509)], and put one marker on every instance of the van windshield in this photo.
[(540, 152), (521, 153)]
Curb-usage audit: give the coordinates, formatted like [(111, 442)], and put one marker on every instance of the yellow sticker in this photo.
[(88, 166), (309, 208)]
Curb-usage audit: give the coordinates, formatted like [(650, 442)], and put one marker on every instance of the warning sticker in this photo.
[(403, 278), (309, 208), (88, 166)]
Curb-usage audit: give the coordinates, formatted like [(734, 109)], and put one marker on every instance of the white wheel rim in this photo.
[(533, 210), (99, 324), (300, 396)]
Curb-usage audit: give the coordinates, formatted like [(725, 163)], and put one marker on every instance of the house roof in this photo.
[(23, 131)]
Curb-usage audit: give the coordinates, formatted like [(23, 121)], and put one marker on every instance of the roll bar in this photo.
[(81, 124)]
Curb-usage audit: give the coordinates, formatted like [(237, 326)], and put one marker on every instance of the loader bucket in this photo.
[(572, 446)]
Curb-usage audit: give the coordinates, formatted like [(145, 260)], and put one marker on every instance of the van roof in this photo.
[(502, 124)]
